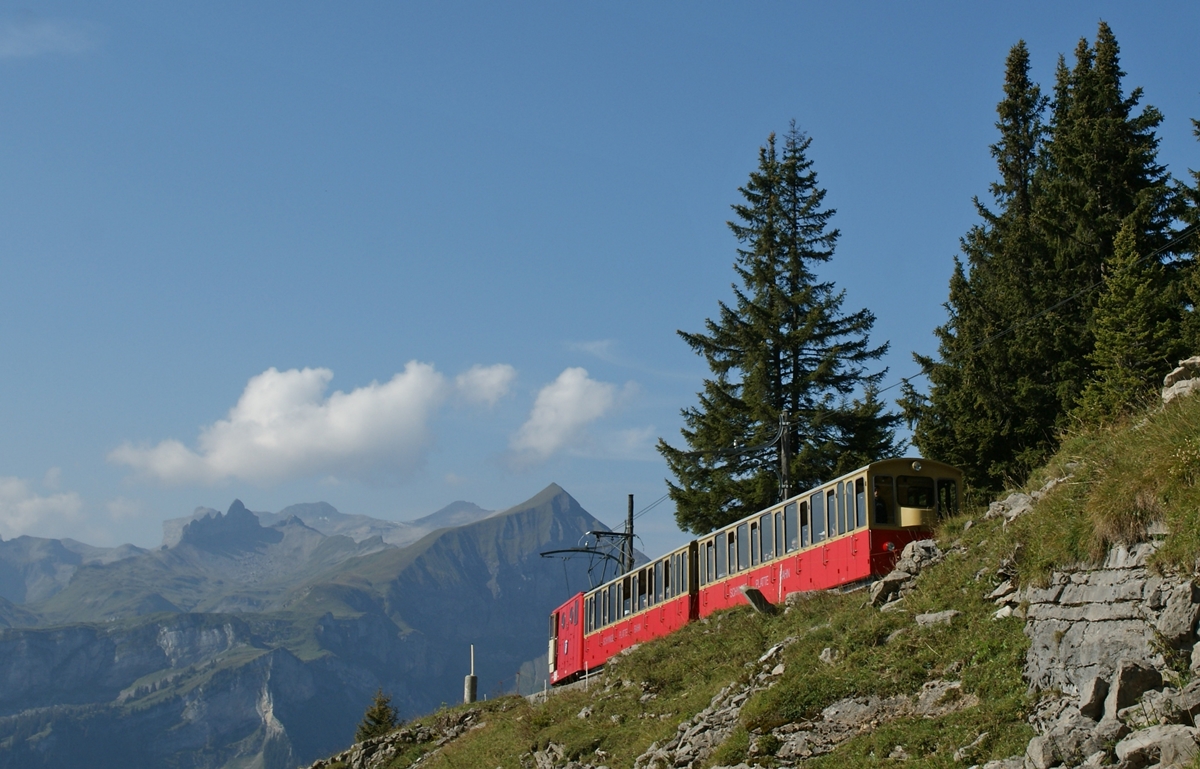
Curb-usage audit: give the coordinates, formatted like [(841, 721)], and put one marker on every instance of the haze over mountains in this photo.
[(259, 638)]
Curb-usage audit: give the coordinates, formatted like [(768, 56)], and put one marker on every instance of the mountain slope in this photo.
[(276, 688)]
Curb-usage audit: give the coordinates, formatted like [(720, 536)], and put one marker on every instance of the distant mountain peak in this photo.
[(238, 529)]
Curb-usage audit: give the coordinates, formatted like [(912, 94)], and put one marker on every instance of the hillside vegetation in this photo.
[(1119, 483)]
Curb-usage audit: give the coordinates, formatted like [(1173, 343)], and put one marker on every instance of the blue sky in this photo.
[(390, 255)]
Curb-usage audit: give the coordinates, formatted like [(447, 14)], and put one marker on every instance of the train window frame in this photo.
[(885, 515), (831, 513), (755, 544), (731, 548), (860, 500), (805, 526), (742, 536), (913, 483), (947, 504), (658, 582), (840, 501), (816, 507), (721, 553), (642, 589), (791, 528), (685, 575), (851, 516), (780, 540), (766, 534), (626, 596)]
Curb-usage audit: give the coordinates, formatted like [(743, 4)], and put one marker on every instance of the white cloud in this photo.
[(485, 384), (284, 427), (561, 412), (37, 37), (604, 349), (22, 510), (124, 509)]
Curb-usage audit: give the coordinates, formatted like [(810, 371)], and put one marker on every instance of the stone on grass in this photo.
[(937, 617)]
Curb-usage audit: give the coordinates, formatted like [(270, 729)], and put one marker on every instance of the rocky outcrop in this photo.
[(1183, 381), (1110, 648), (378, 752), (914, 558)]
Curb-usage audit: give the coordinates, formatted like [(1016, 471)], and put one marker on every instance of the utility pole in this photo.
[(785, 480), (629, 537)]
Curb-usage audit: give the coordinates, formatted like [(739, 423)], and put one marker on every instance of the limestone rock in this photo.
[(1183, 381), (1173, 745), (1091, 697), (937, 618), (1132, 679)]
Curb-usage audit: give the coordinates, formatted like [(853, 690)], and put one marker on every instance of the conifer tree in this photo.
[(784, 346), (1134, 325), (1189, 199), (989, 402), (1100, 166), (379, 719)]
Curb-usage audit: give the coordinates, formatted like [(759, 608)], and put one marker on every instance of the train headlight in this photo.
[(916, 466)]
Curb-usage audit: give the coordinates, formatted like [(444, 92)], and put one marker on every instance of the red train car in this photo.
[(848, 530)]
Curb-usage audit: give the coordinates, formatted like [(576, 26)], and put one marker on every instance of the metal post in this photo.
[(471, 684), (785, 481), (629, 536)]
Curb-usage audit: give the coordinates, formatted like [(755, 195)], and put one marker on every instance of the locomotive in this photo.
[(846, 531)]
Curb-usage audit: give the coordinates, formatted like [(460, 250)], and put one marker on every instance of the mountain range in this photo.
[(258, 639)]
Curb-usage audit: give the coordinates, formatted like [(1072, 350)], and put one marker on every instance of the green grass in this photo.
[(1125, 477)]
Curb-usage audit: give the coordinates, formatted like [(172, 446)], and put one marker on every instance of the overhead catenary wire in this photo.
[(1179, 238)]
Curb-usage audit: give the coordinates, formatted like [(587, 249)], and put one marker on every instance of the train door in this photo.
[(552, 655), (947, 498)]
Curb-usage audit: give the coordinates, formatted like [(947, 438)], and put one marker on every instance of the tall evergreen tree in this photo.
[(1189, 199), (1135, 326), (989, 400), (1100, 166), (785, 346), (1017, 350)]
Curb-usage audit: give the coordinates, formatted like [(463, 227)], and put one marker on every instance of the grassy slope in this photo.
[(1124, 477)]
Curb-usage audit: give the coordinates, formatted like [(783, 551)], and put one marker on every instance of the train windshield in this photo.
[(915, 491)]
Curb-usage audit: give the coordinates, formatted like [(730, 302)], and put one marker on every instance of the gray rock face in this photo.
[(1086, 621)]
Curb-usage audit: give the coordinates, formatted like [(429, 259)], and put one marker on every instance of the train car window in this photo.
[(860, 500), (683, 578), (722, 554), (755, 543), (767, 530), (605, 607), (743, 547), (817, 517), (851, 510), (779, 541), (791, 528), (642, 586), (831, 528), (882, 500), (659, 581), (668, 569), (840, 501), (947, 497), (915, 491), (627, 596), (731, 542), (712, 560), (805, 526)]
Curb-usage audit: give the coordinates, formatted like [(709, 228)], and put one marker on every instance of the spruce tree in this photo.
[(784, 346), (1100, 166), (1189, 200), (990, 403), (1135, 327), (379, 719)]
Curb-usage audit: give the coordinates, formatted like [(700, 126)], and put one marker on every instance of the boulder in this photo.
[(1131, 680), (1177, 623), (1091, 697), (1170, 746)]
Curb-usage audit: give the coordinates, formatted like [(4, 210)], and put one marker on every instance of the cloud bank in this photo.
[(24, 39), (22, 509), (485, 385), (561, 412), (284, 427)]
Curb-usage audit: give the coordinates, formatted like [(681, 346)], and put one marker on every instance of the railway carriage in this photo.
[(846, 531)]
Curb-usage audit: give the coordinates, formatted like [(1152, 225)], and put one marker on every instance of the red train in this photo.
[(830, 536)]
